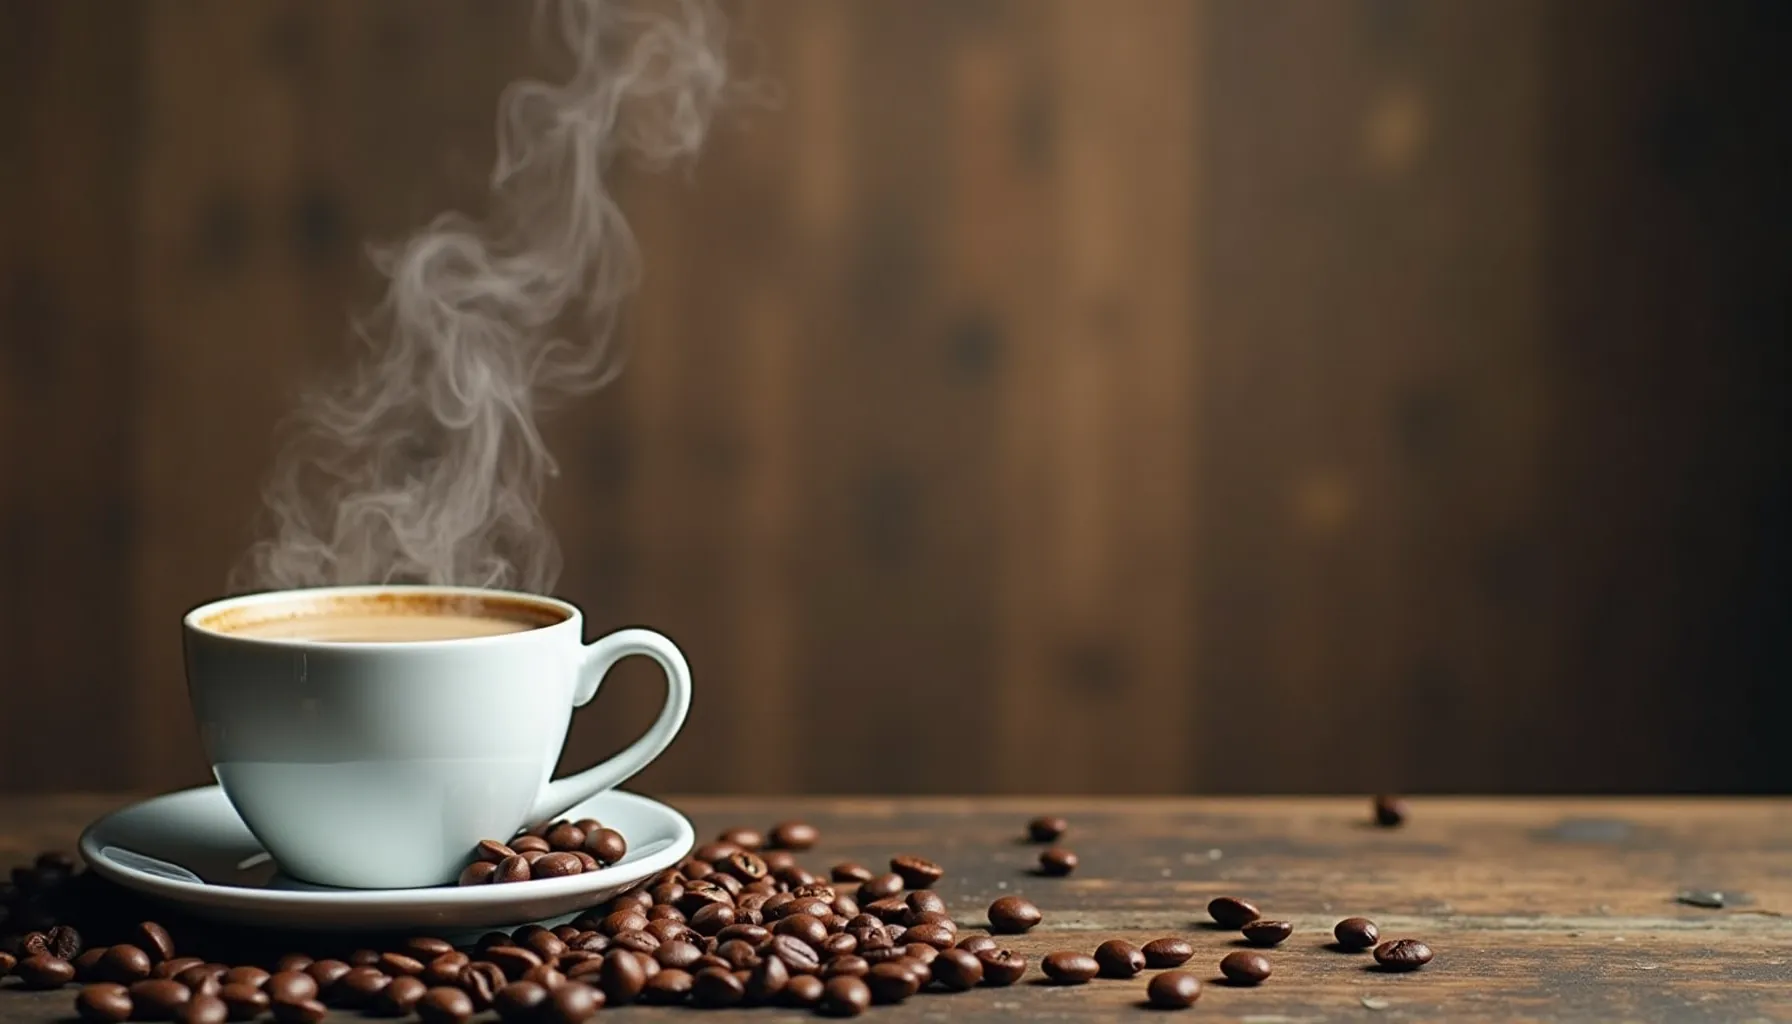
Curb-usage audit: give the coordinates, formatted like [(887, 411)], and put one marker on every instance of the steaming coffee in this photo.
[(382, 618)]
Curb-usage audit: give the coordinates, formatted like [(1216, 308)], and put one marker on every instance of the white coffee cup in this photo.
[(381, 764)]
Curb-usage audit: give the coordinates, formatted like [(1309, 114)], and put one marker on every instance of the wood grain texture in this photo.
[(1550, 909), (1061, 383)]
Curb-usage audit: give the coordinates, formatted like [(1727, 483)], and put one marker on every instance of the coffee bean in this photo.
[(752, 934), (1232, 912), (839, 944), (804, 991), (203, 1008), (668, 988), (254, 977), (358, 987), (1395, 954), (511, 869), (327, 973), (445, 1005), (607, 845), (766, 981), (1012, 915), (398, 998), (746, 866), (712, 919), (957, 970), (292, 986), (306, 1011), (916, 872), (170, 968), (44, 971), (1390, 811), (397, 964), (1001, 966), (745, 838), (798, 956), (571, 1004), (677, 953), (937, 936), (243, 1002), (1057, 862), (639, 942), (713, 988), (530, 844), (445, 969), (104, 1003), (1173, 990), (1118, 958), (154, 939), (849, 964), (514, 961), (87, 965), (158, 998), (1167, 952), (1356, 933), (794, 835), (547, 976), (64, 942), (490, 851), (741, 955), (847, 871), (844, 996), (622, 978), (880, 887), (519, 1002), (1267, 933), (1245, 968), (1067, 967), (566, 837), (1046, 829), (556, 865), (202, 979), (124, 964), (891, 982), (804, 926), (886, 910), (369, 957), (974, 944), (626, 920)]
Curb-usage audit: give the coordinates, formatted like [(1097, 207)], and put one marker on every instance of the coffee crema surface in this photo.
[(384, 619)]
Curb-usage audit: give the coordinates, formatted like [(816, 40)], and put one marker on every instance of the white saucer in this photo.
[(190, 849)]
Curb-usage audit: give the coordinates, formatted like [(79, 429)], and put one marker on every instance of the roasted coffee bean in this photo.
[(677, 953), (957, 970), (750, 933), (519, 1002), (1356, 933), (845, 906), (1173, 990), (571, 1004), (895, 931), (715, 853), (1119, 958), (1046, 829), (622, 977), (64, 942), (104, 1003), (481, 980), (939, 917), (880, 887), (712, 919), (738, 954), (1232, 912), (844, 996), (637, 900), (444, 1005), (854, 965), (34, 944), (1245, 968), (1012, 915), (916, 872), (745, 838), (1390, 811), (794, 835), (243, 1002), (626, 920), (839, 944), (327, 973), (530, 844), (8, 962), (1067, 967), (710, 960), (203, 1008), (1001, 966), (729, 884), (713, 988), (766, 981), (1057, 862), (920, 952), (556, 865), (370, 957), (546, 976), (1267, 933), (1394, 955), (847, 871), (797, 955), (746, 866), (590, 942), (158, 998), (974, 944), (566, 837), (397, 964), (891, 982), (202, 979), (586, 971), (87, 965), (307, 1011), (514, 961), (888, 910), (936, 936), (668, 988), (607, 845), (546, 945), (358, 987), (445, 969), (254, 977), (1167, 952), (398, 998), (802, 991), (492, 852), (124, 964), (924, 901), (511, 869), (639, 942), (804, 926), (292, 986), (154, 939), (44, 971), (662, 913), (586, 861), (426, 947), (170, 968)]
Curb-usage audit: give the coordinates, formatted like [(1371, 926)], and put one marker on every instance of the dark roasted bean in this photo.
[(766, 981), (293, 986), (1173, 990), (566, 837), (924, 900), (556, 865), (839, 944), (804, 926), (750, 933), (327, 973), (1168, 951), (881, 887), (1267, 933), (1067, 967), (891, 982), (1118, 958), (158, 998), (64, 942), (571, 1004), (480, 872), (844, 996), (1356, 933), (358, 987), (545, 944), (712, 918), (87, 965), (1394, 955), (519, 1002), (668, 988), (530, 844), (797, 955), (427, 947), (154, 939), (854, 965), (43, 971), (746, 866), (916, 872), (1046, 829), (974, 944), (254, 977), (124, 964), (639, 942), (713, 988), (607, 845), (937, 936), (887, 910), (370, 957), (1232, 912), (400, 997), (512, 869), (514, 961), (1057, 862), (745, 838), (1245, 968), (546, 976), (677, 953), (444, 1005), (397, 964), (803, 991), (492, 852), (1012, 915), (307, 1011), (104, 1003), (171, 968), (203, 979), (445, 969), (847, 871), (1390, 811), (243, 1002), (957, 970), (622, 977), (1001, 966), (794, 835)]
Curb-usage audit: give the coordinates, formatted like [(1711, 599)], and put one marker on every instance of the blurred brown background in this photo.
[(1090, 395)]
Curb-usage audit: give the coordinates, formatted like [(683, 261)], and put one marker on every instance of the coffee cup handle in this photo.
[(599, 657)]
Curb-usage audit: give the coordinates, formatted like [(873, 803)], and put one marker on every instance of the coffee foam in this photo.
[(247, 618)]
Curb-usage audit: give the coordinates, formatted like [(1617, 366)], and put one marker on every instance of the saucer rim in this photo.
[(238, 896)]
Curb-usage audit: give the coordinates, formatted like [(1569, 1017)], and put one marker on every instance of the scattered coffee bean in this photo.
[(745, 838), (1267, 933), (1356, 933), (44, 971), (203, 979), (124, 964), (514, 961), (794, 835), (1398, 954), (445, 969), (243, 1002), (305, 1011), (292, 986), (203, 1008), (1232, 912), (369, 957), (1047, 829), (158, 998), (916, 872), (880, 887), (154, 939), (1067, 967), (1168, 951), (844, 996), (491, 851), (607, 845), (530, 844), (974, 944), (358, 987), (87, 965), (446, 1005), (480, 872), (766, 981), (1001, 967), (571, 1003), (511, 869), (170, 968), (1012, 915), (64, 942), (104, 1002), (668, 988), (1390, 811), (1173, 990), (622, 977), (565, 837), (556, 865), (1245, 968), (847, 871), (957, 970), (327, 973), (857, 966), (892, 981), (713, 988), (1057, 862), (254, 977), (399, 997), (1118, 958)]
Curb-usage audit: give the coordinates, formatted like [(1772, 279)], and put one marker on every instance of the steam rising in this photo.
[(425, 465)]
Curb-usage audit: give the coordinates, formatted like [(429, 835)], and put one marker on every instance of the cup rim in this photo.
[(193, 623)]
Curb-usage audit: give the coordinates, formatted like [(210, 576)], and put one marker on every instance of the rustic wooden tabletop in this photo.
[(1537, 909)]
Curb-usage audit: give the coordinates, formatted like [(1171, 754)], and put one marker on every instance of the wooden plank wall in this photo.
[(1048, 395)]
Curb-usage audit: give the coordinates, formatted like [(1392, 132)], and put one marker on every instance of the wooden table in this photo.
[(1537, 909)]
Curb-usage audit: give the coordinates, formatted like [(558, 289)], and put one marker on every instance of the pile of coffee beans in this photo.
[(553, 849)]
